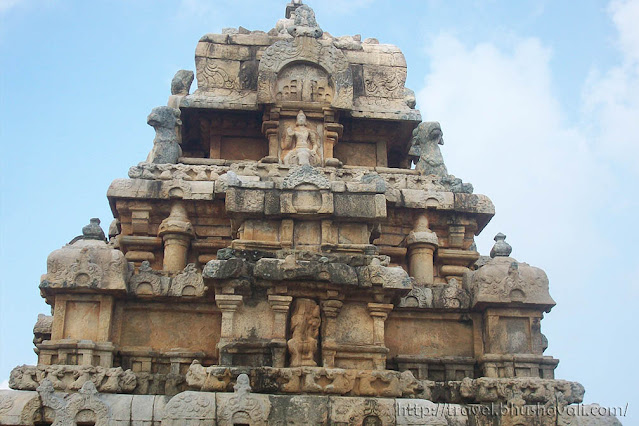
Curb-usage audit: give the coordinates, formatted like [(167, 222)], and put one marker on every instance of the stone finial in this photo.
[(501, 247), (166, 148), (93, 231), (181, 83), (305, 23)]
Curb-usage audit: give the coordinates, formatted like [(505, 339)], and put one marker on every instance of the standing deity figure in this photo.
[(305, 323), (424, 149), (303, 143)]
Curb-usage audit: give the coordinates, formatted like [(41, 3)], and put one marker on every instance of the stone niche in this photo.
[(230, 135), (303, 82)]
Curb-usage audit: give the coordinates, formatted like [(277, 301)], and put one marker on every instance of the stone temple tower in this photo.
[(293, 251)]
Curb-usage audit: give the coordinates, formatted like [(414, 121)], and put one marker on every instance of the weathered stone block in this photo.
[(359, 205), (474, 203), (245, 200), (190, 408), (223, 51), (419, 199), (360, 411), (298, 410)]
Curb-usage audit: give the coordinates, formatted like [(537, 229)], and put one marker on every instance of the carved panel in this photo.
[(384, 82), (310, 51), (303, 82), (217, 73)]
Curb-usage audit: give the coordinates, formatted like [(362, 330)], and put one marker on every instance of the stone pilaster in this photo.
[(177, 233), (379, 313), (280, 306), (421, 244), (330, 310)]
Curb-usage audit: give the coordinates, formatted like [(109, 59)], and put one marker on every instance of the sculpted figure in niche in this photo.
[(303, 143), (424, 149), (305, 322)]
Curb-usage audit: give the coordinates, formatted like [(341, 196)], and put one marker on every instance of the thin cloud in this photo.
[(559, 193), (6, 5), (611, 96)]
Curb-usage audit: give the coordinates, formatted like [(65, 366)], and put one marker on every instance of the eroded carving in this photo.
[(243, 407), (425, 149), (188, 283), (305, 322), (166, 148)]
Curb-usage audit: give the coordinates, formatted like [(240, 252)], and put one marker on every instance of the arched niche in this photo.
[(305, 59), (303, 82)]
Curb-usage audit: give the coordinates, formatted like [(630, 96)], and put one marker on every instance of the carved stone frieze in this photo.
[(526, 390), (312, 380), (73, 377)]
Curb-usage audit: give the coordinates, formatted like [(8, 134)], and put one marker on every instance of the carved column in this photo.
[(270, 128), (379, 313), (421, 244), (228, 304), (280, 306), (332, 132), (330, 310), (177, 233)]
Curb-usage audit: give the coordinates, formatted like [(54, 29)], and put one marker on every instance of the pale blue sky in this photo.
[(538, 101)]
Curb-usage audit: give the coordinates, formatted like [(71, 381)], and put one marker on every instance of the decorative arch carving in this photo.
[(304, 51)]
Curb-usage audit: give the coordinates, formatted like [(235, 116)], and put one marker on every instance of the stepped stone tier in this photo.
[(277, 260)]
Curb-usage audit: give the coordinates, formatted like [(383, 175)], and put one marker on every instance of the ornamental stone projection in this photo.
[(277, 260)]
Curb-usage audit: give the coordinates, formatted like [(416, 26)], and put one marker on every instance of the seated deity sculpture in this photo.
[(303, 143)]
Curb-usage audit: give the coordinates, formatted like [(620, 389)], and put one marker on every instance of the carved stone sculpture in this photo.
[(425, 149), (242, 407), (166, 148), (305, 323), (303, 143), (305, 23), (181, 83)]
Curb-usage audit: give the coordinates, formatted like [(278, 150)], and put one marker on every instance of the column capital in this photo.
[(228, 302)]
